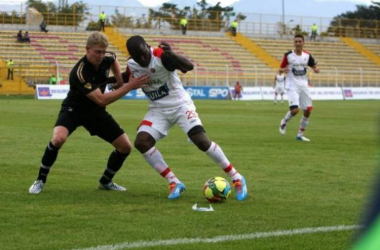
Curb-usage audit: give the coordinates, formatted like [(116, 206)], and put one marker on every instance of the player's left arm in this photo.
[(173, 61), (313, 64)]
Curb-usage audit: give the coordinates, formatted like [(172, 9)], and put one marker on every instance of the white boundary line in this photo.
[(171, 242)]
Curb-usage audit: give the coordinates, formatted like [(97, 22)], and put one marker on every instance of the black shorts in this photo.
[(99, 123)]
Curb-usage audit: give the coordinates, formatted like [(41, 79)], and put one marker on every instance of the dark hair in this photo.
[(299, 35), (134, 42)]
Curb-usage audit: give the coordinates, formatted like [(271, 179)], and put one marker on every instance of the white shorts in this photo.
[(157, 122), (279, 90), (300, 98)]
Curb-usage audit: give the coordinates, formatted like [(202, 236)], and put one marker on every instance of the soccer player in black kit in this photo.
[(85, 106)]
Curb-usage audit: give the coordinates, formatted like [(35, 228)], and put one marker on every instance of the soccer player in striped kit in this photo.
[(295, 65), (170, 104)]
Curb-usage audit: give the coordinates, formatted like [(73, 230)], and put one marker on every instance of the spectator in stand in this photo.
[(43, 26), (184, 25), (314, 30), (102, 20), (19, 36), (233, 27), (26, 37), (10, 69)]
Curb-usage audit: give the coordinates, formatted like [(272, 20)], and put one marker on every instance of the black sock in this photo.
[(115, 162), (48, 159)]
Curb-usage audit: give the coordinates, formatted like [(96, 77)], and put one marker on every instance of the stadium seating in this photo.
[(219, 59), (334, 58), (37, 61), (216, 59)]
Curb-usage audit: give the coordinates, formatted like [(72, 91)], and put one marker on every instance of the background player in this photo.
[(170, 104), (85, 106), (295, 65), (279, 86)]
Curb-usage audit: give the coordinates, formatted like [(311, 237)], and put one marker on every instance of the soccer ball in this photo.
[(216, 189)]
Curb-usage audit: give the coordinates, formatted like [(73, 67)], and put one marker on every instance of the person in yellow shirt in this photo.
[(233, 27), (10, 69), (102, 20), (183, 25), (314, 30)]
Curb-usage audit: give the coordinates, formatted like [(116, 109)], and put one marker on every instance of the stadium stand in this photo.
[(331, 56), (216, 59), (37, 61), (219, 60)]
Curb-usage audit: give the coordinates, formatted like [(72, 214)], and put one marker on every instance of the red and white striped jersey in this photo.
[(297, 65)]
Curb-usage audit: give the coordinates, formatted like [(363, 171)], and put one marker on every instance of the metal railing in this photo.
[(253, 77), (262, 24)]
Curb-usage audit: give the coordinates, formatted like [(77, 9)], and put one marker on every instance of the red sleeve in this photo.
[(284, 62), (158, 52)]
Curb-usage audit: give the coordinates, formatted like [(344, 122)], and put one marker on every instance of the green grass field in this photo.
[(292, 185)]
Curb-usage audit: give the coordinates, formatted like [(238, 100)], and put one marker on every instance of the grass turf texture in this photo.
[(291, 184)]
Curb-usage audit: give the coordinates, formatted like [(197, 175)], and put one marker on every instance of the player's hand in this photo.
[(138, 82), (285, 70), (165, 46)]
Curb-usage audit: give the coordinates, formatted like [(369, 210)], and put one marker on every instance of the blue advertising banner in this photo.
[(201, 92), (205, 92)]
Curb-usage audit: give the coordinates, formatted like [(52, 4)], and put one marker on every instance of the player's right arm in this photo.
[(107, 98), (284, 64)]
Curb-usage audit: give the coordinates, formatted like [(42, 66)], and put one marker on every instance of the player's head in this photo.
[(299, 41), (139, 50), (96, 47)]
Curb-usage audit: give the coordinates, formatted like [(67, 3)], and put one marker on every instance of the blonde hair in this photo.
[(97, 38)]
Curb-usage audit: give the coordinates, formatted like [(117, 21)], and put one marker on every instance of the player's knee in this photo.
[(141, 146), (126, 148), (58, 141), (294, 109), (198, 136), (144, 142)]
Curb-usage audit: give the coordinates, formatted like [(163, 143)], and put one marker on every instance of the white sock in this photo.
[(303, 124), (288, 116), (156, 161), (217, 155)]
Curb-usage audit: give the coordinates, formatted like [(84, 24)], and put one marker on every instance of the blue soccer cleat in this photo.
[(175, 190), (240, 189)]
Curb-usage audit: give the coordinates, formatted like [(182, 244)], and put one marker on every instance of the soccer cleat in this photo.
[(282, 127), (240, 189), (175, 190), (36, 187), (111, 186), (302, 138)]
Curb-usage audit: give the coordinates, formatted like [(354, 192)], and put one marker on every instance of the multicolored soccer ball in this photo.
[(216, 189)]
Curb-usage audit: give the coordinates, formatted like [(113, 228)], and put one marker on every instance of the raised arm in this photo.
[(172, 61)]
